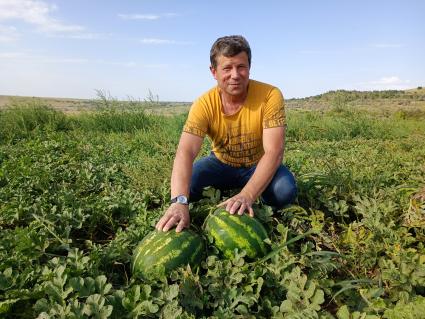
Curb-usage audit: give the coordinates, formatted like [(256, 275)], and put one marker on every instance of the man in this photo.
[(245, 120)]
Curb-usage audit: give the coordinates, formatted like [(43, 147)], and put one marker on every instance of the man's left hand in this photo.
[(238, 203)]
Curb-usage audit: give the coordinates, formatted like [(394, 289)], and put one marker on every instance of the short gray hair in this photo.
[(229, 46)]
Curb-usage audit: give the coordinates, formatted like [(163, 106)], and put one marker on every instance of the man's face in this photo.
[(232, 74)]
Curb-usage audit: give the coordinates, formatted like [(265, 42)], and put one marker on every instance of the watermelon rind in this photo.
[(241, 232), (161, 252)]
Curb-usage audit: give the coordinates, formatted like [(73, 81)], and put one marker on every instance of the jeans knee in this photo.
[(280, 193), (287, 195)]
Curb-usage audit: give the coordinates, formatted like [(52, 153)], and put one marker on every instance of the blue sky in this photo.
[(63, 48)]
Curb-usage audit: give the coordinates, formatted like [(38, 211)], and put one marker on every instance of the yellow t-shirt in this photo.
[(237, 138)]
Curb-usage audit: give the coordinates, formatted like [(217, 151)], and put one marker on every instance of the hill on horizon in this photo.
[(410, 99)]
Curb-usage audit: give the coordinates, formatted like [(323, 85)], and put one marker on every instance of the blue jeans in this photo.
[(209, 171)]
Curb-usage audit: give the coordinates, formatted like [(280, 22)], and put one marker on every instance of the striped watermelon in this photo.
[(234, 231), (160, 252)]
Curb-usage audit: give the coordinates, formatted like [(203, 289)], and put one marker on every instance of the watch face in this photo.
[(182, 199)]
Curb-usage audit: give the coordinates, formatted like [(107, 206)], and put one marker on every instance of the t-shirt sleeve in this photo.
[(274, 113), (197, 121)]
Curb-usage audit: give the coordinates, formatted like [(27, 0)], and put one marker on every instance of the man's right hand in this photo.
[(176, 214)]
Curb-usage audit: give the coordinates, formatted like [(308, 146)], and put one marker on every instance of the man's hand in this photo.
[(238, 203), (176, 214)]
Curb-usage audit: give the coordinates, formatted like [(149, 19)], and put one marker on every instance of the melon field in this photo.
[(80, 190)]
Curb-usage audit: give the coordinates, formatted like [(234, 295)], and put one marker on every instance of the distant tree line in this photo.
[(358, 95), (345, 96)]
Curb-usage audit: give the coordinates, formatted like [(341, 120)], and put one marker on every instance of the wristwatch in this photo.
[(181, 199)]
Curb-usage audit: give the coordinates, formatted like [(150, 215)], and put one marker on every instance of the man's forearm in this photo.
[(264, 172), (181, 175)]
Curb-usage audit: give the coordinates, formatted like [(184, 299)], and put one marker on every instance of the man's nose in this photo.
[(235, 73)]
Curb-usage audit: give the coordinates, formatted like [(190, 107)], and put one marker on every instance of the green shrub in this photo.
[(26, 119)]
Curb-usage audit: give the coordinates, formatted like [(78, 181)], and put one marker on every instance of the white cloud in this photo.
[(391, 80), (156, 41), (386, 83), (138, 16), (8, 34), (35, 12)]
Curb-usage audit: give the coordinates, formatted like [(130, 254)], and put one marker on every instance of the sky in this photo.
[(128, 48)]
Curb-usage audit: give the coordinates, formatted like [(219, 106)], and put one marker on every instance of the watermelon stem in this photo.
[(211, 212)]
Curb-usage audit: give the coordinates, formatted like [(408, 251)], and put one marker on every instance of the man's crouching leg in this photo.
[(282, 189), (209, 171)]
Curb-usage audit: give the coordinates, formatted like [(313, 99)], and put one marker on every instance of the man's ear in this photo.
[(213, 72)]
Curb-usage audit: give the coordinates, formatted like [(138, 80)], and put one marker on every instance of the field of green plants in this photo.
[(78, 192)]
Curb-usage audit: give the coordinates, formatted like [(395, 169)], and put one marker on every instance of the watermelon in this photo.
[(236, 231), (160, 252)]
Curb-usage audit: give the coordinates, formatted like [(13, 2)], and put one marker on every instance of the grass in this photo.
[(77, 192), (25, 119), (347, 123)]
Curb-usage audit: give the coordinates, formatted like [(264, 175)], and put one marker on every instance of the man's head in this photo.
[(230, 64), (229, 46)]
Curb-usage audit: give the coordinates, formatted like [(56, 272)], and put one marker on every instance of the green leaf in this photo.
[(286, 307), (343, 313), (101, 286), (6, 305), (84, 287), (171, 310), (6, 280), (172, 292), (95, 306)]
